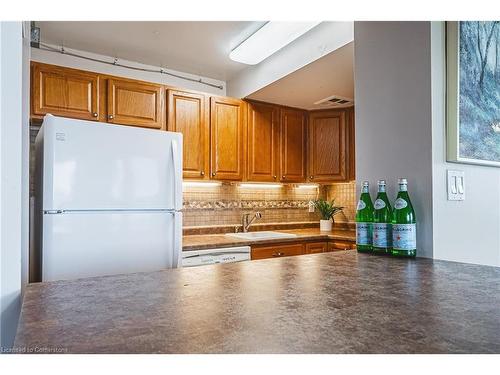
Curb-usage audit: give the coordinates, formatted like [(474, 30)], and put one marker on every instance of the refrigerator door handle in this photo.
[(53, 212), (177, 248), (177, 176)]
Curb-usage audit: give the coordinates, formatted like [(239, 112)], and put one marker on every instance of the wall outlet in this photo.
[(456, 185), (311, 206)]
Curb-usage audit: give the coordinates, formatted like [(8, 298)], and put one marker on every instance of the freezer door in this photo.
[(89, 165), (84, 244)]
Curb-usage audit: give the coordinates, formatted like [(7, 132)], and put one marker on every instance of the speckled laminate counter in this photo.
[(209, 241), (340, 302)]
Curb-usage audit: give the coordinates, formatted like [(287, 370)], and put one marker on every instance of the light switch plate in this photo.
[(456, 185)]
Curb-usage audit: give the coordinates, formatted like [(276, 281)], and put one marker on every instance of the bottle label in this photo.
[(361, 205), (404, 236), (363, 233), (382, 235), (400, 203), (379, 203)]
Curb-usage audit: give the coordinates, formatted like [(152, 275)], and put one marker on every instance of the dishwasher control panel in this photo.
[(195, 258)]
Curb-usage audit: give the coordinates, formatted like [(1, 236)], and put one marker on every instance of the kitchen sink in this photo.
[(263, 235)]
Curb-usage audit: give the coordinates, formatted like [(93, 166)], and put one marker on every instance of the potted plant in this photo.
[(327, 210)]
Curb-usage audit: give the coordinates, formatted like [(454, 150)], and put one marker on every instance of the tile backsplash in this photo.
[(344, 195), (225, 204)]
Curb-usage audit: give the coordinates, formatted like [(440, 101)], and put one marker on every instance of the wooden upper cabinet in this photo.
[(226, 138), (327, 146), (293, 146), (263, 142), (188, 114), (64, 92), (135, 103)]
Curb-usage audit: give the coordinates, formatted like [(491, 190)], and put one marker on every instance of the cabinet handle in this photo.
[(202, 173), (213, 173), (111, 117), (95, 114), (275, 177), (278, 254), (311, 177), (283, 177)]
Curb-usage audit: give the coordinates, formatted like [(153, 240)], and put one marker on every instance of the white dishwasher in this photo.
[(193, 258)]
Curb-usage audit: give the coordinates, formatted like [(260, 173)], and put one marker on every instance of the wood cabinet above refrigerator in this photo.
[(64, 92)]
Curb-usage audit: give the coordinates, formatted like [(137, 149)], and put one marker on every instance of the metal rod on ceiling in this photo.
[(115, 62)]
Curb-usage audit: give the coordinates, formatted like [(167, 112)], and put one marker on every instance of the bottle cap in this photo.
[(402, 181), (381, 182), (366, 183)]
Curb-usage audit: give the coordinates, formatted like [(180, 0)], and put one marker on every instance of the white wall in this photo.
[(400, 77), (25, 210), (465, 231), (77, 63), (12, 171), (320, 41), (393, 114)]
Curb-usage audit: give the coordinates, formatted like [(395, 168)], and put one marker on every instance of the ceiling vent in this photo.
[(335, 101)]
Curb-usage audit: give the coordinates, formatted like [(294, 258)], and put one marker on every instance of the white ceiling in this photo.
[(330, 75), (200, 48)]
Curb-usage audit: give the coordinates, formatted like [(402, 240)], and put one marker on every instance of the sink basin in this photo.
[(264, 235)]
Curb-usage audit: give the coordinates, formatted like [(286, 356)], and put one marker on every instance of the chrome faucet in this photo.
[(246, 221)]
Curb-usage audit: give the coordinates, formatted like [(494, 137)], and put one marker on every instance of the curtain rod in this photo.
[(61, 50)]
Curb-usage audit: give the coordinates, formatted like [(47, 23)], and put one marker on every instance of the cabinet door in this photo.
[(327, 146), (226, 138), (293, 146), (64, 92), (277, 251), (188, 114), (316, 247), (341, 245), (135, 103), (263, 145)]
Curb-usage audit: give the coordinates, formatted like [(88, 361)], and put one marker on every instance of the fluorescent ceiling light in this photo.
[(260, 186), (200, 184), (270, 38), (307, 186)]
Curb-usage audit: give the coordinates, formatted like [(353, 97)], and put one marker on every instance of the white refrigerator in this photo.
[(108, 199)]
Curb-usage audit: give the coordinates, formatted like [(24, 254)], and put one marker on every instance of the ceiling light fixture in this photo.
[(270, 38), (260, 186)]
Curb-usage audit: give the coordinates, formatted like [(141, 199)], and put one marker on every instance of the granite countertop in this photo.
[(340, 302), (210, 241)]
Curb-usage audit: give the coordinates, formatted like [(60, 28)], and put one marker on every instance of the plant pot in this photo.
[(325, 225)]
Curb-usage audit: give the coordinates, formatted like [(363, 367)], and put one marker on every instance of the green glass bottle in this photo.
[(382, 222), (364, 220), (404, 231)]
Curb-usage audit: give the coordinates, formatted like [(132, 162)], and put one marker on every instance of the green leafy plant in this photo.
[(326, 209)]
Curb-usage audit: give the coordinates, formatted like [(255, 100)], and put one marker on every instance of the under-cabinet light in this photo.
[(200, 184), (269, 39), (307, 186), (260, 186)]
